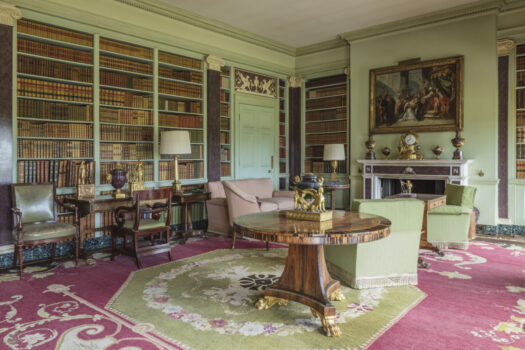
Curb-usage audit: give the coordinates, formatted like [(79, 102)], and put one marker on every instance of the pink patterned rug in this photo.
[(476, 300)]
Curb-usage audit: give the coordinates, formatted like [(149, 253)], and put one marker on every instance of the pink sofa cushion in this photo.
[(217, 202), (215, 188), (282, 203), (261, 188), (267, 205)]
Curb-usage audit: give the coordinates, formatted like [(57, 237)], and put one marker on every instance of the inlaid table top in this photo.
[(344, 228)]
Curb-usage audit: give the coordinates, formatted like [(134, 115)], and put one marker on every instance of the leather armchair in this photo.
[(35, 220), (448, 226)]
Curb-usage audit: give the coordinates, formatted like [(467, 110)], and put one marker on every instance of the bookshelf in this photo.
[(54, 107), (226, 123), (283, 132), (180, 100), (126, 107), (326, 121), (520, 112)]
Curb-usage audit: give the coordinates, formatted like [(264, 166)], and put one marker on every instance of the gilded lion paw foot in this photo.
[(337, 295), (267, 302)]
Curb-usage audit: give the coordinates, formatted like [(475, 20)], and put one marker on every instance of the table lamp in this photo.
[(333, 153), (175, 142)]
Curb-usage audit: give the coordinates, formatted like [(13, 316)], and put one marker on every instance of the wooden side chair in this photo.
[(35, 220), (149, 217)]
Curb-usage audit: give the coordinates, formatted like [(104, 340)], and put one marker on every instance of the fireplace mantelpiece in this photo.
[(451, 171)]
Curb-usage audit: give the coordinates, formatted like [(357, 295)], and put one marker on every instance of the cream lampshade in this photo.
[(175, 142), (333, 153)]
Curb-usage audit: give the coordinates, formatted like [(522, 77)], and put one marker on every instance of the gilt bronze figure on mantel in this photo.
[(137, 178), (309, 201)]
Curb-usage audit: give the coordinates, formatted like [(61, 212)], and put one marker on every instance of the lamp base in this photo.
[(177, 187), (333, 176)]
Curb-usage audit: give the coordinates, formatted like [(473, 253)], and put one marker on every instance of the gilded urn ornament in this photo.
[(458, 142), (117, 177), (370, 145), (386, 152), (438, 150)]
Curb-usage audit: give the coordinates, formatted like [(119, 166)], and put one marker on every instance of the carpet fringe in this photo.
[(449, 245)]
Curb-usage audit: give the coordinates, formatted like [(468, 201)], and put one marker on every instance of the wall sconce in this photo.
[(481, 173)]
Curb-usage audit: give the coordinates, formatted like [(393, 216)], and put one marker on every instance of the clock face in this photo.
[(410, 139)]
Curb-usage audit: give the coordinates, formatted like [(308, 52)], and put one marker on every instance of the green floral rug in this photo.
[(207, 302)]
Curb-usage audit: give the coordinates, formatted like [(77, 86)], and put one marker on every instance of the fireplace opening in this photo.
[(389, 187)]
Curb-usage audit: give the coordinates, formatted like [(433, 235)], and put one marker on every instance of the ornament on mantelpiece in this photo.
[(386, 152), (370, 145), (438, 150), (458, 142)]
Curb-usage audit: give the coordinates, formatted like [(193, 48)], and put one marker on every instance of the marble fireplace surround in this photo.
[(448, 170)]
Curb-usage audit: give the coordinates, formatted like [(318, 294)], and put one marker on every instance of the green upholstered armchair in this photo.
[(390, 261), (35, 220), (448, 225)]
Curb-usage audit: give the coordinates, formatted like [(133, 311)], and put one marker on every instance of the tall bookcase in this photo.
[(226, 123), (520, 112), (126, 107), (181, 107), (54, 103), (283, 135), (326, 121)]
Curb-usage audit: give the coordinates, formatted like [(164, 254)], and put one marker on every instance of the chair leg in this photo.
[(267, 245), (77, 244), (136, 247), (53, 251), (15, 256), (168, 243), (113, 246), (21, 260), (233, 239)]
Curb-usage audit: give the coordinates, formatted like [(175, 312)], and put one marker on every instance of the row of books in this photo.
[(64, 173), (107, 220), (126, 49), (125, 81), (520, 62), (339, 125), (282, 105), (225, 154), (55, 91), (282, 130), (520, 118), (282, 117), (520, 135), (179, 89), (187, 170), (520, 169), (172, 73), (126, 116), (323, 139), (520, 49), (314, 116), (180, 121), (54, 149), (126, 151), (180, 106), (225, 124), (329, 91), (52, 69), (282, 168), (179, 60), (125, 99), (225, 96), (196, 136), (520, 152), (282, 141), (328, 102), (520, 98), (54, 33), (126, 65), (334, 79), (225, 82), (54, 51), (225, 138), (125, 133), (226, 169), (60, 130), (53, 110), (520, 79), (225, 110), (317, 166), (105, 169), (282, 152)]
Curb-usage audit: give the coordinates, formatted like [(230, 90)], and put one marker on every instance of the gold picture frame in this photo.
[(417, 96)]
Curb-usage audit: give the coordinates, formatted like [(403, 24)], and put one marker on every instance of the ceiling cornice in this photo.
[(486, 7), (155, 6), (322, 46)]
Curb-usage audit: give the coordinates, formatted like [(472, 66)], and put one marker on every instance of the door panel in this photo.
[(256, 140)]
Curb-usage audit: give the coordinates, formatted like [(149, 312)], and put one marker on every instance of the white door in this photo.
[(257, 139)]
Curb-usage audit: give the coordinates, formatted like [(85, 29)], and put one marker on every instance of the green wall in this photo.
[(473, 38)]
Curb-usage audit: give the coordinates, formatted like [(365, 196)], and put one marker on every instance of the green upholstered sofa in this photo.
[(448, 226), (390, 261)]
